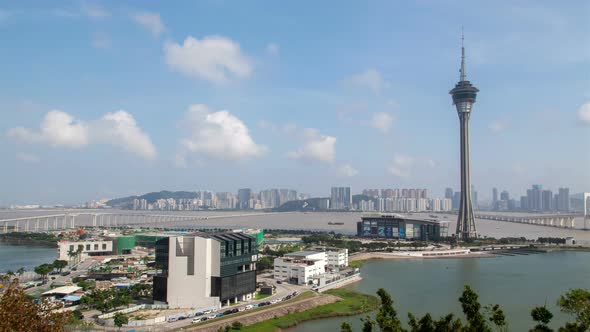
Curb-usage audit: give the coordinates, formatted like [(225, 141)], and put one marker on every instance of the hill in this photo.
[(127, 202)]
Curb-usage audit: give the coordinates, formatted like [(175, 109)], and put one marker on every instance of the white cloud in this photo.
[(60, 129), (370, 78), (382, 121), (150, 21), (27, 157), (120, 129), (584, 113), (403, 165), (347, 171), (497, 126), (101, 41), (316, 147), (219, 135), (273, 49), (214, 58)]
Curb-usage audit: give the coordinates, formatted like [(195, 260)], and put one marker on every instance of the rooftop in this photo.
[(65, 290)]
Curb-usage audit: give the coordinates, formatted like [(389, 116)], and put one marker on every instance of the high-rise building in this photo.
[(494, 198), (546, 200), (449, 193), (563, 200), (504, 195), (464, 95), (244, 198), (340, 198), (456, 200)]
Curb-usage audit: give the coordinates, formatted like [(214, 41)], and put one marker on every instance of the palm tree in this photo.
[(10, 274), (79, 253), (20, 272), (71, 255)]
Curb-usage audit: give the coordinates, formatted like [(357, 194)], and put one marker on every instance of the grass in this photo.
[(355, 264), (261, 296), (352, 303)]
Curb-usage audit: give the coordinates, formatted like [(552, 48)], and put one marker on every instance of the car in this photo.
[(295, 293), (196, 320), (227, 312), (74, 269), (198, 313), (65, 273), (172, 319), (262, 304), (273, 301), (249, 306), (212, 316), (182, 318), (234, 310), (240, 309), (287, 297), (220, 315), (255, 306), (204, 319), (279, 282), (206, 312), (215, 310), (267, 303)]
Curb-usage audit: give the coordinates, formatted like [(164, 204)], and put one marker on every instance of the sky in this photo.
[(105, 99)]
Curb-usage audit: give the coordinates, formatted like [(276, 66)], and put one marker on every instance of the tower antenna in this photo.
[(463, 74)]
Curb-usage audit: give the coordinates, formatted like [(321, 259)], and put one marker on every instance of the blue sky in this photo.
[(104, 99)]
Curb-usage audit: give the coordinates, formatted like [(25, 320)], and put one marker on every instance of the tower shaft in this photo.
[(466, 220)]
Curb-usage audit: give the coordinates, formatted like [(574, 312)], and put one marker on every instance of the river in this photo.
[(13, 257), (517, 283)]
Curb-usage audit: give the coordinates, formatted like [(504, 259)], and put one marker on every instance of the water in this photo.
[(13, 257), (517, 283)]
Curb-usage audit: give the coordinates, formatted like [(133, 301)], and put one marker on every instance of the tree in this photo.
[(20, 272), (471, 309), (120, 319), (264, 263), (59, 264), (345, 327), (542, 316), (19, 313), (71, 255), (237, 325), (576, 302), (43, 270), (387, 316)]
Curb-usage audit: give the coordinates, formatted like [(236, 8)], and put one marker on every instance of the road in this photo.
[(81, 268), (282, 290)]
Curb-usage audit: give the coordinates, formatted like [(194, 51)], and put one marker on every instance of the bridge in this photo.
[(66, 221), (557, 220)]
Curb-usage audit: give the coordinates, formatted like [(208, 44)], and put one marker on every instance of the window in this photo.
[(104, 246), (96, 246), (71, 247), (87, 247)]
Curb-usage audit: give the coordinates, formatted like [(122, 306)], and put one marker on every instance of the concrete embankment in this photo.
[(270, 313)]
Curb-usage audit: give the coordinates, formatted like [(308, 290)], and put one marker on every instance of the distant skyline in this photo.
[(110, 99)]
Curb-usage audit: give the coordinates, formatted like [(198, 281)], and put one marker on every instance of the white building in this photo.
[(300, 267), (205, 271), (65, 249), (336, 257)]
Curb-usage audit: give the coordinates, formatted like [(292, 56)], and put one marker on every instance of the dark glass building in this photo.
[(397, 227)]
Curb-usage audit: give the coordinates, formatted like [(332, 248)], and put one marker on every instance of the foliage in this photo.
[(59, 264), (43, 270), (345, 327), (264, 263), (19, 313), (576, 302), (107, 299), (120, 319), (542, 316), (237, 325)]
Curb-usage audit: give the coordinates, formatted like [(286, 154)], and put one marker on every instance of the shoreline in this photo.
[(24, 242)]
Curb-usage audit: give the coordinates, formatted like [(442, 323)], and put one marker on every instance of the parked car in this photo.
[(262, 304), (279, 282), (204, 319), (220, 315), (182, 318), (212, 316), (234, 310), (196, 320), (215, 310), (249, 306), (241, 309), (273, 301), (172, 319), (227, 312), (198, 313), (206, 312)]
